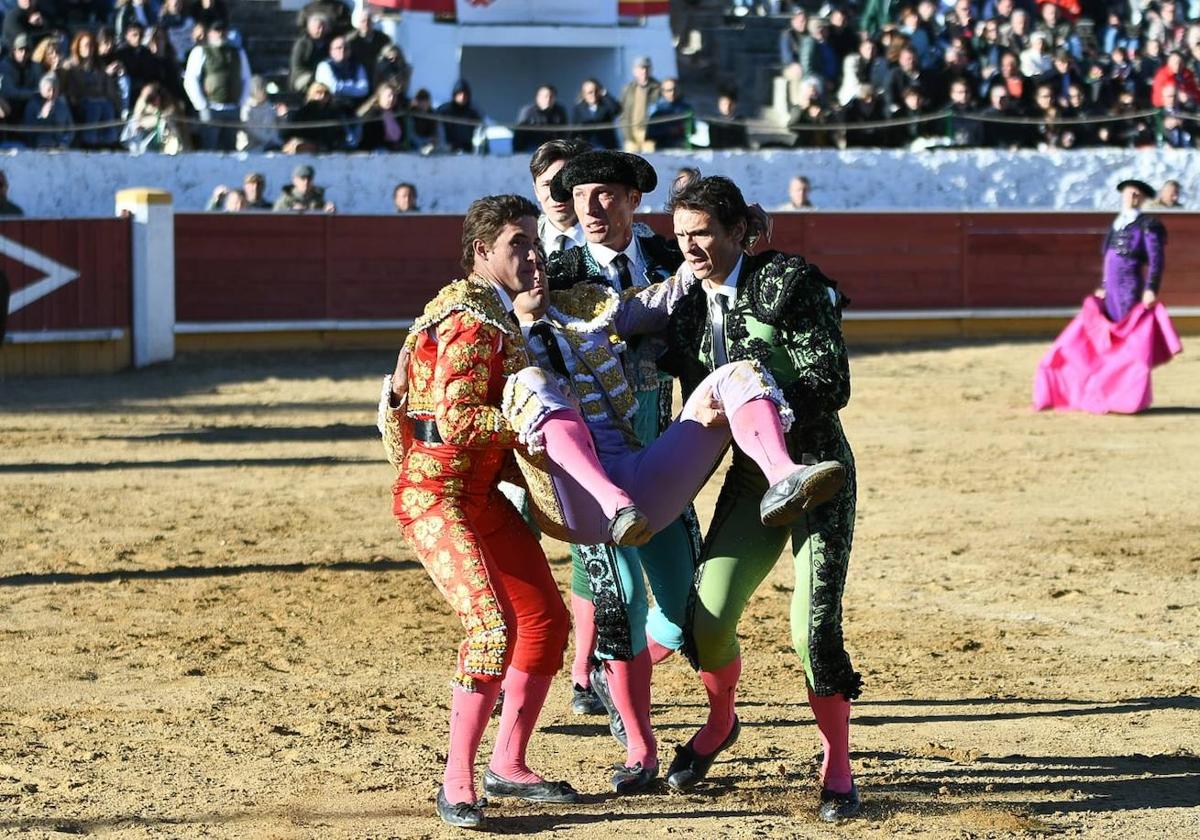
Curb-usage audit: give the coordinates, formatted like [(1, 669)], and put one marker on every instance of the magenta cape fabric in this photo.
[(1098, 366)]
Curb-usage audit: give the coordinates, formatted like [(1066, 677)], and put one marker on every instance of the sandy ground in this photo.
[(209, 626)]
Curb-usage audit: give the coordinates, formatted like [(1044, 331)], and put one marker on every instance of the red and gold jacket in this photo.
[(461, 350)]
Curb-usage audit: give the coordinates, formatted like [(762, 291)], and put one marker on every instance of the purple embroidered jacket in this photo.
[(1133, 262)]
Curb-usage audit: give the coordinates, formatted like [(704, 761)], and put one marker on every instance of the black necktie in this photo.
[(564, 242), (546, 334), (512, 316), (718, 307), (623, 276)]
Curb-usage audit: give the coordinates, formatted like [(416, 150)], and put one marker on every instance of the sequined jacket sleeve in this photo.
[(461, 382), (1154, 237), (817, 351), (648, 309)]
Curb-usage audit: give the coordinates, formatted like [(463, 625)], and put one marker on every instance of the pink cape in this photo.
[(1098, 366)]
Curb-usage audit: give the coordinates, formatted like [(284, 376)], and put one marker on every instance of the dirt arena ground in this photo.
[(209, 626)]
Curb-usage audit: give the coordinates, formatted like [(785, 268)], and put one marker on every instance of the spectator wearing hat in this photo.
[(596, 107), (462, 121), (49, 110), (250, 196), (217, 81), (544, 111), (671, 118), (309, 50), (637, 98), (302, 195), (18, 77), (404, 198), (1133, 253)]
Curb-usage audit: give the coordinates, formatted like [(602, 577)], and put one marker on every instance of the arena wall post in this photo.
[(153, 256)]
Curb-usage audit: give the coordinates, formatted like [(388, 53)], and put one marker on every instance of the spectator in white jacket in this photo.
[(217, 80)]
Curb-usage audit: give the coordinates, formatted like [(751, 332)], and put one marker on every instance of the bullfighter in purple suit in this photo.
[(1133, 253)]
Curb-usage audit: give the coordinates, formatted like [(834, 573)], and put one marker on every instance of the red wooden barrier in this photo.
[(312, 267), (67, 275)]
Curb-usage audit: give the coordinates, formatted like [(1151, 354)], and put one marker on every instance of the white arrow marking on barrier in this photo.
[(57, 274)]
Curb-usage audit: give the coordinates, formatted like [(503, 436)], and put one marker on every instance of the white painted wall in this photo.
[(74, 184)]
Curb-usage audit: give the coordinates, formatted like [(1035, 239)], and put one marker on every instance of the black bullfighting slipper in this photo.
[(633, 779), (803, 490), (585, 702), (461, 814), (543, 791), (630, 527), (600, 686), (836, 807), (689, 767)]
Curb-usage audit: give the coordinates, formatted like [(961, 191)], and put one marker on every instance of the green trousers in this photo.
[(739, 552)]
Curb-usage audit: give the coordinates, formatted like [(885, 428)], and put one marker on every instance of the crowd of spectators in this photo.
[(1053, 74), (170, 75)]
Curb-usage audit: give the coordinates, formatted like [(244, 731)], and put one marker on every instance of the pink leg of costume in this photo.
[(833, 722), (585, 639), (658, 652), (629, 683), (759, 433), (665, 476), (569, 445), (721, 686), (524, 696), (469, 713)]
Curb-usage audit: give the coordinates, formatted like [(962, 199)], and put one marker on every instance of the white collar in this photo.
[(503, 293), (728, 287), (605, 255), (551, 232), (1126, 218)]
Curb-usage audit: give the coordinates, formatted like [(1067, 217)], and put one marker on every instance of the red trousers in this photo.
[(484, 560)]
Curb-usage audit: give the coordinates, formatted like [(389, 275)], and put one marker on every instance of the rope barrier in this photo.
[(584, 128)]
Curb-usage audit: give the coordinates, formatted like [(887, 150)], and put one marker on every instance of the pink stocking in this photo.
[(721, 686), (469, 713), (629, 683), (833, 722), (569, 444), (658, 652), (585, 639), (758, 433), (524, 696)]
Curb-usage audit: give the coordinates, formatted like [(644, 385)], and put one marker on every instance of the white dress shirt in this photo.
[(605, 256), (1126, 218), (543, 353), (552, 237)]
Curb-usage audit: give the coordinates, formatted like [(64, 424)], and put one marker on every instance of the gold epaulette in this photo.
[(470, 295)]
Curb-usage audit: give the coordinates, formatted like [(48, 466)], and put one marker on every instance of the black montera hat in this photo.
[(606, 167), (1145, 188)]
